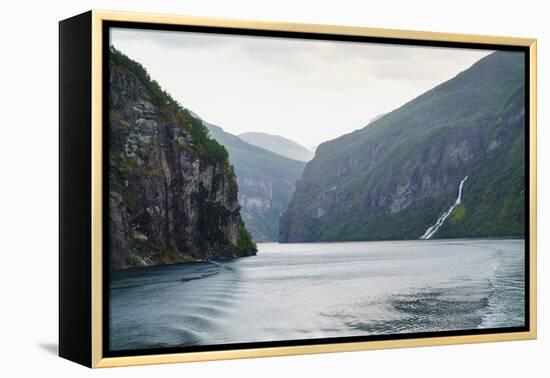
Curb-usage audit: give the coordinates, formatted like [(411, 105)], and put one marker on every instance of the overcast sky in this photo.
[(307, 91)]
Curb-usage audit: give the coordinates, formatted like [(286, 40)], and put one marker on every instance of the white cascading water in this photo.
[(433, 229)]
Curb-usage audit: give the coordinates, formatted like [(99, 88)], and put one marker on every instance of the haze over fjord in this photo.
[(307, 91)]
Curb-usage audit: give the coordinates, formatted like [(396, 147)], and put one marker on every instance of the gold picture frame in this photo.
[(90, 328)]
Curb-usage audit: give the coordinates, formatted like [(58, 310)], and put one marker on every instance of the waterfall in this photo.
[(433, 228)]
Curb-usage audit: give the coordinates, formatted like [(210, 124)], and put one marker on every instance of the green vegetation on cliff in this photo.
[(172, 109), (172, 191)]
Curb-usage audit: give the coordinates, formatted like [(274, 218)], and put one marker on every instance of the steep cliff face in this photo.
[(395, 177), (172, 192), (266, 183)]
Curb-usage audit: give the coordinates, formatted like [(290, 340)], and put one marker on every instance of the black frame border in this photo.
[(75, 181), (105, 29)]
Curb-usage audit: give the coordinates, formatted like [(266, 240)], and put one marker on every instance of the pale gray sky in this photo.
[(305, 90)]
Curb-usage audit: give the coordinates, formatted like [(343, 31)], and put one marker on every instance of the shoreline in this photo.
[(213, 261)]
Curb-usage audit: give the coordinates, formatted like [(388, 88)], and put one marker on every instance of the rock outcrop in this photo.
[(173, 196), (266, 183)]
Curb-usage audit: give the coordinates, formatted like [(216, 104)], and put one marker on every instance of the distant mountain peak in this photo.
[(279, 145)]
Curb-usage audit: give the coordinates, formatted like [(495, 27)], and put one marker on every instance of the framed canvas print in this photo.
[(235, 189)]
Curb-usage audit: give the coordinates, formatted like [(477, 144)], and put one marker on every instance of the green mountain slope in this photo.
[(394, 178), (266, 183), (279, 145)]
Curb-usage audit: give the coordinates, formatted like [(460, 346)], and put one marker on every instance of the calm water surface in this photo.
[(318, 290)]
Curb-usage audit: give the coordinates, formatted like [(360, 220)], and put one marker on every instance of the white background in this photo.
[(28, 211)]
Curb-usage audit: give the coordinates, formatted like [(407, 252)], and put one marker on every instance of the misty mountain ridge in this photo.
[(279, 145)]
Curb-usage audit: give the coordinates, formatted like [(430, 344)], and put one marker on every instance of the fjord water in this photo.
[(319, 290)]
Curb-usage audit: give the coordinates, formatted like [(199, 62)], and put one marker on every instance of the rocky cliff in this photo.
[(266, 183), (394, 178), (172, 191)]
